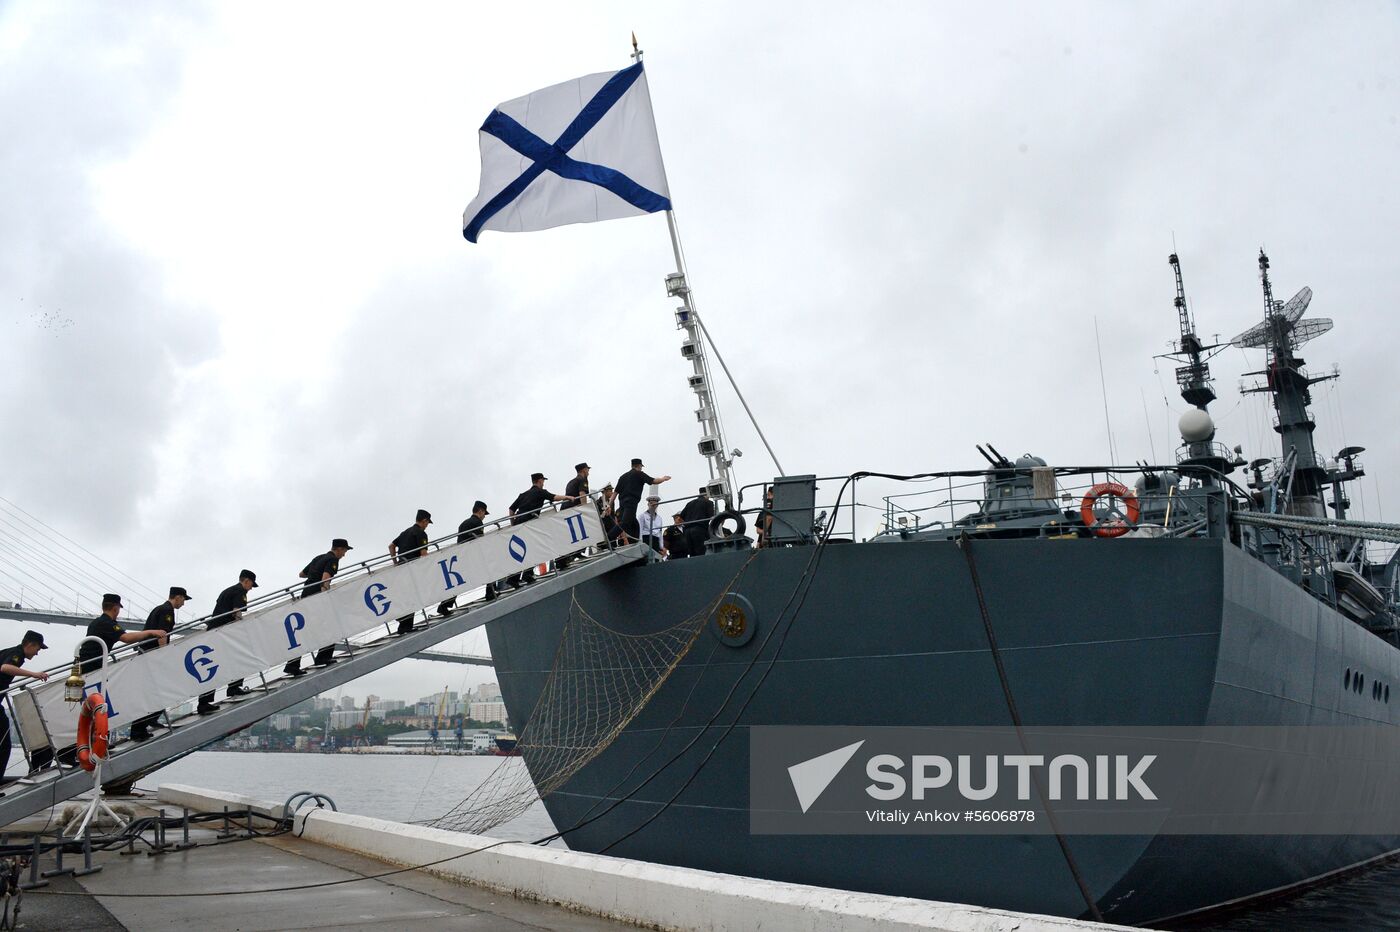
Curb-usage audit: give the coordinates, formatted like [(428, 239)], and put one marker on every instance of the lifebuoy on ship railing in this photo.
[(1120, 521), (92, 731)]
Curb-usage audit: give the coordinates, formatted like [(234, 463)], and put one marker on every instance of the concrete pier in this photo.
[(620, 890), (413, 900), (486, 885)]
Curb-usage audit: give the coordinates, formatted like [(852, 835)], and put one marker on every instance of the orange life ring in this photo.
[(1118, 527), (92, 731)]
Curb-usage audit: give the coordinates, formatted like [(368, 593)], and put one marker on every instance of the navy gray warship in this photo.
[(1241, 594)]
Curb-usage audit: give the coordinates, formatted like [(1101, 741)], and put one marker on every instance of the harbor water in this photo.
[(408, 788), (398, 787)]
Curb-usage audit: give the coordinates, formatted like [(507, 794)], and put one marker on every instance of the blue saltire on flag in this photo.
[(577, 152)]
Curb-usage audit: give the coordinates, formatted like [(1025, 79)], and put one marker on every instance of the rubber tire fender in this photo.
[(717, 523)]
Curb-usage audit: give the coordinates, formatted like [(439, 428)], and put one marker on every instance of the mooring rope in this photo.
[(965, 545)]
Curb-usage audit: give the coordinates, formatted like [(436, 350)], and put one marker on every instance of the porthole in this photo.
[(1346, 679), (1360, 681)]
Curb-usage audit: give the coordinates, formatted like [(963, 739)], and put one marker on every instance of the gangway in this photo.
[(272, 691), (447, 656), (82, 619)]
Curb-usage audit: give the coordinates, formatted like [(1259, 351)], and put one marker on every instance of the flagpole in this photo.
[(705, 331), (712, 444)]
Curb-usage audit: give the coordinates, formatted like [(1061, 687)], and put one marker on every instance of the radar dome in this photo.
[(1195, 426)]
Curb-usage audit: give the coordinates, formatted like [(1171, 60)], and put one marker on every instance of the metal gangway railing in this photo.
[(270, 690), (82, 619)]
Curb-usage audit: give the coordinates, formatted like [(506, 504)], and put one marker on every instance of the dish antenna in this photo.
[(1296, 305), (1281, 328), (1313, 327)]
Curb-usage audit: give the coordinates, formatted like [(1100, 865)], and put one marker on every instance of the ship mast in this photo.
[(1302, 473), (712, 446), (1193, 380)]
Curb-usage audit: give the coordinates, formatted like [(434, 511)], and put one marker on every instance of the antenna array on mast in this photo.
[(1289, 384), (1193, 378)]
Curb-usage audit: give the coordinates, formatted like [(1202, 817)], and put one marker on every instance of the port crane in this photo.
[(437, 718), (362, 738)]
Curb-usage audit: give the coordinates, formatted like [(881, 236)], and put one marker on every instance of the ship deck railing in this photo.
[(947, 500)]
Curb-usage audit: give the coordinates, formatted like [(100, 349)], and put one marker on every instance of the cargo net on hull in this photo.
[(600, 680)]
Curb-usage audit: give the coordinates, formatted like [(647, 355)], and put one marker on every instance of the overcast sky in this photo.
[(238, 316)]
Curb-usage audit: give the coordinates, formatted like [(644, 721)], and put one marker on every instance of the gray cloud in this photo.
[(87, 395)]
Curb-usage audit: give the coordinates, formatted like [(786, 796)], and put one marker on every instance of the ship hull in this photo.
[(1126, 632)]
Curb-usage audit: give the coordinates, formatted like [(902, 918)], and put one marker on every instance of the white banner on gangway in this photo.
[(140, 684)]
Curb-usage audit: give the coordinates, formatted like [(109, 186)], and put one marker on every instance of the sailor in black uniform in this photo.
[(469, 529), (11, 666), (161, 618), (228, 608), (697, 514), (577, 489), (527, 507), (576, 493), (105, 626), (472, 528), (318, 575), (411, 544), (675, 544), (630, 486)]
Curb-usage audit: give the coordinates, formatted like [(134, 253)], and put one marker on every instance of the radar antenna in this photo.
[(1281, 326), (1297, 304)]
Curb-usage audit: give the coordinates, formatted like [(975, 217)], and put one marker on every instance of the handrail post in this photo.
[(35, 881), (184, 830), (88, 867), (58, 870)]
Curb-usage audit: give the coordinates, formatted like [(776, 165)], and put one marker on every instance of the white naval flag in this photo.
[(576, 152)]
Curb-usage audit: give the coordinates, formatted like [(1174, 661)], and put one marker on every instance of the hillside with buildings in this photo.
[(447, 722)]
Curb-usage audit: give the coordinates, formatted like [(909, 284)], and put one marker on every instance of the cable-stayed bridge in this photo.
[(45, 571)]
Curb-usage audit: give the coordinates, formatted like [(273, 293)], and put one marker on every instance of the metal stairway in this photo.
[(82, 619), (274, 691)]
